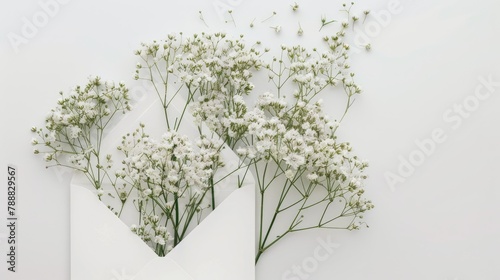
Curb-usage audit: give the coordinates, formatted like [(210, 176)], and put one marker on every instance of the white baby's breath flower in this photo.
[(48, 157), (300, 31), (294, 160), (162, 229), (277, 28), (157, 191), (169, 204), (312, 176), (241, 152), (160, 240), (289, 174), (74, 132), (147, 192)]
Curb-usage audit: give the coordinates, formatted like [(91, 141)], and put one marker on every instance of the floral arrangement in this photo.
[(283, 136)]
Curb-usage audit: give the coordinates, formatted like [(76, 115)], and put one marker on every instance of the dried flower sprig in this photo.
[(325, 22), (276, 28), (365, 13), (296, 142), (266, 19), (300, 31), (74, 129), (203, 18), (230, 12)]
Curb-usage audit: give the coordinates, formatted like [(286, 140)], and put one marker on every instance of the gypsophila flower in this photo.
[(294, 160), (300, 31), (75, 126), (160, 240), (74, 132), (366, 13), (165, 173)]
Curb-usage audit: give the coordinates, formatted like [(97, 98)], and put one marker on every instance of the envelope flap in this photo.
[(101, 244), (223, 246)]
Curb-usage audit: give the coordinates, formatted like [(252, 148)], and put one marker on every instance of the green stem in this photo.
[(212, 189), (176, 206)]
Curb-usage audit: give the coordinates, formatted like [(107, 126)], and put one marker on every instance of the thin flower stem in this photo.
[(212, 190), (176, 226), (274, 13), (262, 242)]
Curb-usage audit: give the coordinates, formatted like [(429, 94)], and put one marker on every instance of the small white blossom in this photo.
[(160, 240), (277, 28), (289, 174)]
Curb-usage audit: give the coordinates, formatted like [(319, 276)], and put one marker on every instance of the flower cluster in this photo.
[(152, 231), (216, 61), (168, 166), (299, 139), (74, 129), (169, 176), (205, 66)]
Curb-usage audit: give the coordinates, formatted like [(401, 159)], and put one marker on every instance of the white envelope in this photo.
[(221, 247)]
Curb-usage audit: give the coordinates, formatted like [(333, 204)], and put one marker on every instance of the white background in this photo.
[(442, 222)]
